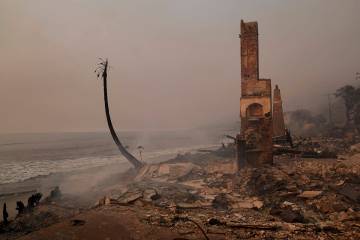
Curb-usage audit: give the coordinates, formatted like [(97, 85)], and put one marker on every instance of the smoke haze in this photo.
[(175, 64)]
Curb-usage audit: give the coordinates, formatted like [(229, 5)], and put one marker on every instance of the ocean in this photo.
[(25, 156), (86, 164)]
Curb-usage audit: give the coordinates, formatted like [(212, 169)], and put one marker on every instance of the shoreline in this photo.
[(152, 157), (73, 182)]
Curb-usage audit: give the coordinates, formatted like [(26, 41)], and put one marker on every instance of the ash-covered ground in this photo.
[(199, 196)]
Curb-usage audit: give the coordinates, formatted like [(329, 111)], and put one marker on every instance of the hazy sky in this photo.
[(175, 63)]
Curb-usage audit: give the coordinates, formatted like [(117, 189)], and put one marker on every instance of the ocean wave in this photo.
[(20, 171)]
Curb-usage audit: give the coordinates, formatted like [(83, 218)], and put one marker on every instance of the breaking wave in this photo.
[(17, 171)]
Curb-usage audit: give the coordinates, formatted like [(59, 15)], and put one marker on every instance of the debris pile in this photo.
[(319, 147), (200, 196), (298, 198)]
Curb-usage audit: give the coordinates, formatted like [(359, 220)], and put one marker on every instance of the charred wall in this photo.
[(255, 102), (278, 115)]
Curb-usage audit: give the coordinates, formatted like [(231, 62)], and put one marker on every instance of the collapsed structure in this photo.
[(278, 115), (254, 144)]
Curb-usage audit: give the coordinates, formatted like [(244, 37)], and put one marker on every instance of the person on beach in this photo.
[(20, 207), (34, 200), (5, 214)]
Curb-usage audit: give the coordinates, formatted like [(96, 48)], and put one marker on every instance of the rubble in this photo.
[(309, 194), (165, 172), (351, 191), (319, 147), (221, 202), (295, 197), (355, 148), (129, 197), (300, 197), (150, 195), (288, 215)]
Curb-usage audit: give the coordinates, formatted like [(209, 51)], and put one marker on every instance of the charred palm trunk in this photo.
[(133, 160)]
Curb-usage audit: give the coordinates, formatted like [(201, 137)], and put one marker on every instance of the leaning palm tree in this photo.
[(102, 71)]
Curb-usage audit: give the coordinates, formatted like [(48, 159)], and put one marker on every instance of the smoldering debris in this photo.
[(297, 198), (319, 147)]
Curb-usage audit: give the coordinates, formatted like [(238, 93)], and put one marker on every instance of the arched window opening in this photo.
[(255, 110)]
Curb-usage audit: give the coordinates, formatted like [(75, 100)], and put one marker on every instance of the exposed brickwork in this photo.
[(249, 51), (258, 137), (278, 115), (255, 102)]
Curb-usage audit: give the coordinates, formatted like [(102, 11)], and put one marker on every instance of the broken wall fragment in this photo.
[(278, 114)]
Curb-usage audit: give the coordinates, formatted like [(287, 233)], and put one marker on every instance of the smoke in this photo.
[(176, 64), (303, 122), (87, 185)]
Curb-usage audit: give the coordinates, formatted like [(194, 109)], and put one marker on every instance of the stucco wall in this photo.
[(245, 102)]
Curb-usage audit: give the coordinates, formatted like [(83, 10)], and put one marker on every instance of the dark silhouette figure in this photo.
[(5, 214), (55, 193), (102, 70), (34, 200), (20, 207)]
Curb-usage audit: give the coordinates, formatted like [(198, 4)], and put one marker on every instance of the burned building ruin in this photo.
[(278, 115), (254, 143)]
